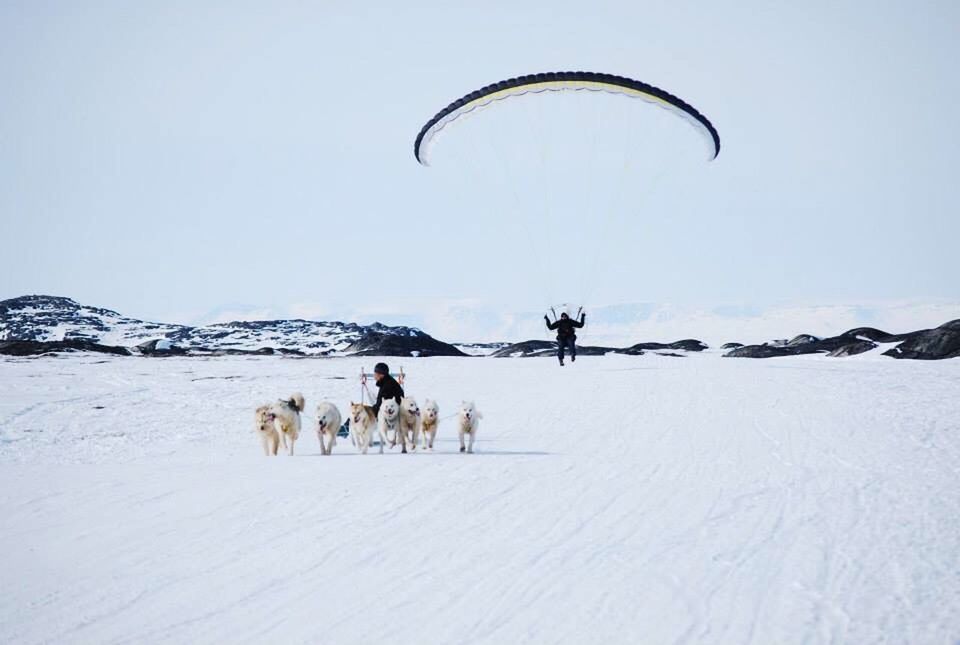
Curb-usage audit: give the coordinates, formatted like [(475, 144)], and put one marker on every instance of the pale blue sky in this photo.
[(167, 158)]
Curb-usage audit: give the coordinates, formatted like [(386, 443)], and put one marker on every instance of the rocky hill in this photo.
[(64, 324)]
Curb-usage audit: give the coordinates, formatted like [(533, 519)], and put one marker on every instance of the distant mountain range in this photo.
[(464, 322), (40, 324)]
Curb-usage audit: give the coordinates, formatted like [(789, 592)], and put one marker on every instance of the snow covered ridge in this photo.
[(37, 324)]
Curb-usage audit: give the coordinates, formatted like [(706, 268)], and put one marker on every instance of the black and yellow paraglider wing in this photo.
[(559, 82)]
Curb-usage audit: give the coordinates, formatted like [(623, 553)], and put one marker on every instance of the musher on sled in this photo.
[(387, 388)]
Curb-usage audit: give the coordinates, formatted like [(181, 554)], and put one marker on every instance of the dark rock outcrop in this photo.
[(731, 345), (926, 344), (876, 335), (759, 351), (930, 344), (770, 350), (40, 347), (530, 348), (852, 349), (687, 345), (374, 343)]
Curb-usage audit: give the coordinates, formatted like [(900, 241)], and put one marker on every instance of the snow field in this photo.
[(620, 499)]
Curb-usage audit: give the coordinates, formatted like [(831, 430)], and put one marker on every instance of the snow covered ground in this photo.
[(618, 500)]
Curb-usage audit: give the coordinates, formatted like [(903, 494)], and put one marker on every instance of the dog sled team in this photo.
[(394, 419)]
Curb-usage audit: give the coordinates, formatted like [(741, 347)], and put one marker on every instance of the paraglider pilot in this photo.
[(566, 336)]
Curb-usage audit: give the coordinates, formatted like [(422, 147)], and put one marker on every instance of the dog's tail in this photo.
[(297, 402)]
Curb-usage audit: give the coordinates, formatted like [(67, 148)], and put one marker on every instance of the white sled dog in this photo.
[(388, 423), (328, 423), (285, 417), (468, 420), (362, 422), (267, 430), (430, 415), (409, 423)]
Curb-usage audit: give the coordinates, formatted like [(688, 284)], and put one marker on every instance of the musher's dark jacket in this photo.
[(388, 389), (565, 327)]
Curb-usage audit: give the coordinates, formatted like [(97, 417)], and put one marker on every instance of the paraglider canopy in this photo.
[(563, 157), (560, 82)]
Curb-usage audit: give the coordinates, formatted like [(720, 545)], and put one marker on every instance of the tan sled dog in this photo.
[(287, 419), (267, 430), (279, 423), (328, 424), (409, 423), (362, 423), (430, 420)]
